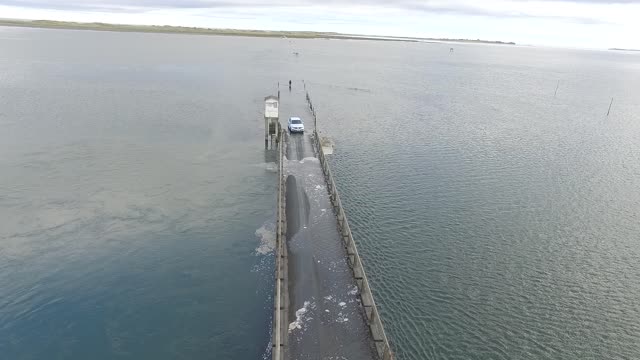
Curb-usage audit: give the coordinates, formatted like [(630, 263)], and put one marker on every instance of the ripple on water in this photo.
[(495, 243)]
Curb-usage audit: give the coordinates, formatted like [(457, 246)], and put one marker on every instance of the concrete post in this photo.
[(266, 133)]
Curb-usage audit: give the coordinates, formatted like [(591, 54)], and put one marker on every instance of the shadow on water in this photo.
[(270, 156), (293, 215)]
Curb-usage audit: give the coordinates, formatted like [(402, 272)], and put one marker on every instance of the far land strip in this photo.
[(50, 24)]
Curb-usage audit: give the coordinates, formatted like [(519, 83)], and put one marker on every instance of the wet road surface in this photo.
[(326, 318)]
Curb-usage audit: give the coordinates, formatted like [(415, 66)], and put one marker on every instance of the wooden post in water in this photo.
[(557, 86), (611, 103)]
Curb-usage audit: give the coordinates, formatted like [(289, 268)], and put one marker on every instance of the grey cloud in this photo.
[(454, 8), (425, 6)]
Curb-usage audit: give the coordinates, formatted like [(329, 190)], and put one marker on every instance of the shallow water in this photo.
[(495, 220), (134, 221)]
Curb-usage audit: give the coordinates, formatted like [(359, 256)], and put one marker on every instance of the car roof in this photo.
[(294, 118)]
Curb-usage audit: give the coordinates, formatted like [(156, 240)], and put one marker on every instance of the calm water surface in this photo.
[(136, 200), (496, 220)]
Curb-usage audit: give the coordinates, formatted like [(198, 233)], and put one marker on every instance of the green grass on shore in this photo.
[(51, 24)]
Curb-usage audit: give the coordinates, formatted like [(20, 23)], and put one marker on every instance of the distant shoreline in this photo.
[(166, 29), (618, 49)]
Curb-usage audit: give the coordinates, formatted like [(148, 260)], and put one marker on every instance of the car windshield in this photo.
[(296, 121)]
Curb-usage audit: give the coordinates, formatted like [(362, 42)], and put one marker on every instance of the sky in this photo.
[(564, 23)]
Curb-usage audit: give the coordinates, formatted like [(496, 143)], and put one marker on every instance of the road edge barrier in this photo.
[(281, 291), (355, 262)]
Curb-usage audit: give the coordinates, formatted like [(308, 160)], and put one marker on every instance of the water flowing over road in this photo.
[(325, 312)]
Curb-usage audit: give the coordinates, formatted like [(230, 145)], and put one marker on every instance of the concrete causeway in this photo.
[(325, 319)]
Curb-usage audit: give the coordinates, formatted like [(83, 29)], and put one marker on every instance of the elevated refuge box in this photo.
[(271, 119), (271, 105)]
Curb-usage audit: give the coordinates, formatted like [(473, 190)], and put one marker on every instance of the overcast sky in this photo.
[(573, 23)]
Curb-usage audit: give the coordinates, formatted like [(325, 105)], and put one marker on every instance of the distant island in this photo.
[(618, 49), (96, 26)]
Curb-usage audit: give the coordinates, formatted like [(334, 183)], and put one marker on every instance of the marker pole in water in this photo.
[(557, 86), (611, 103)]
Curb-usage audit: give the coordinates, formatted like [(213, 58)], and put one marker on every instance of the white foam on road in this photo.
[(309, 159), (341, 318), (301, 316)]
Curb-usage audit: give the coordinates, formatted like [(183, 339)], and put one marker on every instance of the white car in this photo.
[(296, 125)]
